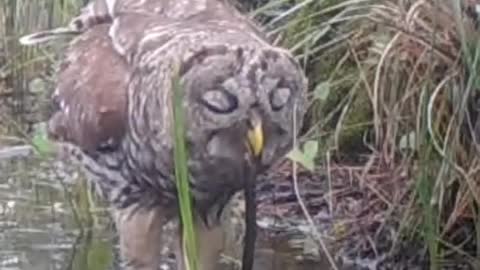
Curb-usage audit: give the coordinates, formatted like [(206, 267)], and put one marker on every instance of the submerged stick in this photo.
[(250, 218), (12, 152)]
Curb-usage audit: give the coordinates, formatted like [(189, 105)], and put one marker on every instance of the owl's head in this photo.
[(243, 100)]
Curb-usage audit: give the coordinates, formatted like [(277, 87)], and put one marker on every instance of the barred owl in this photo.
[(114, 91)]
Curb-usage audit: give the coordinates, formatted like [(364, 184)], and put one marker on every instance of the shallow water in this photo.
[(39, 228), (45, 223)]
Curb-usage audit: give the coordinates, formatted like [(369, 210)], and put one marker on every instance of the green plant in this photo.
[(181, 176)]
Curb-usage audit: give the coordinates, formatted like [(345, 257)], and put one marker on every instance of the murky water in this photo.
[(45, 223), (42, 225)]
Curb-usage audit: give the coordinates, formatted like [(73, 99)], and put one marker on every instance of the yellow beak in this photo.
[(255, 136)]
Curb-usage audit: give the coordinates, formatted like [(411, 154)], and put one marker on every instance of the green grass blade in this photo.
[(181, 176)]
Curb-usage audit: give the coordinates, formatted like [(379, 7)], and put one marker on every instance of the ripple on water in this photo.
[(38, 229)]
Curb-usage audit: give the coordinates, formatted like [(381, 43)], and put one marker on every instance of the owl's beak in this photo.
[(255, 134)]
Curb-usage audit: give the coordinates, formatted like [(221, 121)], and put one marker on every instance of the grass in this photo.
[(22, 100), (401, 79), (189, 244), (392, 83)]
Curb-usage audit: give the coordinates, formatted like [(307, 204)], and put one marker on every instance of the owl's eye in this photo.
[(219, 101), (279, 97)]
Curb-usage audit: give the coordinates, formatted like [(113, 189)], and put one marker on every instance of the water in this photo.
[(45, 223), (41, 227)]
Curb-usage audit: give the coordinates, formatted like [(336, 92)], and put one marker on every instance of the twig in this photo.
[(15, 151), (330, 189), (315, 232)]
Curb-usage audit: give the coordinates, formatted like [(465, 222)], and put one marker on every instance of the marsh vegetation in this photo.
[(388, 164)]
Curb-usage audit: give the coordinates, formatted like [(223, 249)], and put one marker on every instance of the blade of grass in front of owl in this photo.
[(181, 176), (250, 218)]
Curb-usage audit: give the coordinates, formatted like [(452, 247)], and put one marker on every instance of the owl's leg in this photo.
[(210, 241), (141, 231)]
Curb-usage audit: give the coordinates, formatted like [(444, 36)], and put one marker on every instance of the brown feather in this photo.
[(92, 102)]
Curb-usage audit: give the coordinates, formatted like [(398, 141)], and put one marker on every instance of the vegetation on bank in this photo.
[(397, 81), (392, 82)]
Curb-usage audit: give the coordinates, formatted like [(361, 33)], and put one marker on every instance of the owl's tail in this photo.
[(48, 35)]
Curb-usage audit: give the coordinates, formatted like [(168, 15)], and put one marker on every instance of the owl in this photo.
[(243, 100)]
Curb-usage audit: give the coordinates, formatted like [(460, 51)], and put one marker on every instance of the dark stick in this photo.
[(250, 219)]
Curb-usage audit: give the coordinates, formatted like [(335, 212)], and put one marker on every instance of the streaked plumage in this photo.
[(114, 108)]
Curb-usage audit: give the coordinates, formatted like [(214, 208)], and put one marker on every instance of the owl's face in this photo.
[(241, 101)]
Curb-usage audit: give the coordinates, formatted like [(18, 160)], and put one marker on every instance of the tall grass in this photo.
[(398, 80), (22, 101)]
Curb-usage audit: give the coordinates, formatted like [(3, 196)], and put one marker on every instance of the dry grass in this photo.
[(397, 80), (25, 72)]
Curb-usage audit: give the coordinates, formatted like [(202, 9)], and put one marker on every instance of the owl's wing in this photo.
[(91, 92), (92, 81)]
